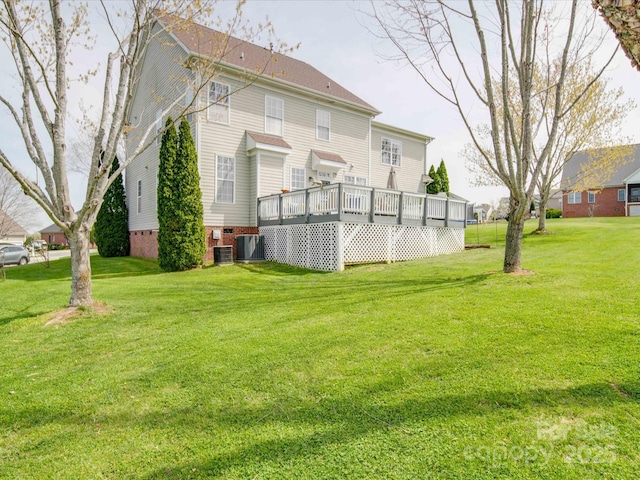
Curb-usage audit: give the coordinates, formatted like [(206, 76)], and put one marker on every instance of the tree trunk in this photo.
[(542, 219), (81, 291), (513, 246)]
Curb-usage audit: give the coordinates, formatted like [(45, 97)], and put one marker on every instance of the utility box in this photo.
[(223, 255), (250, 248)]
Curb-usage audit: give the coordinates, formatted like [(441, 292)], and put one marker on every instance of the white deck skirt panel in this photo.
[(332, 245)]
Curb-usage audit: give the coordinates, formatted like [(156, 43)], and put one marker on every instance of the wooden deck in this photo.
[(351, 203)]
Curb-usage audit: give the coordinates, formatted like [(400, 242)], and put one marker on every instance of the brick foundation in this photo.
[(144, 243), (228, 238)]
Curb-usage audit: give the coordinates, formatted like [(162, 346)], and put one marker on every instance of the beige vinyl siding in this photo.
[(270, 175), (162, 78), (409, 173), (349, 139)]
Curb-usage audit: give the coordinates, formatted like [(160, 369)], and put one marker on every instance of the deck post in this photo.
[(258, 211), (446, 213), (425, 210), (280, 209), (340, 202), (372, 205), (306, 205), (400, 208)]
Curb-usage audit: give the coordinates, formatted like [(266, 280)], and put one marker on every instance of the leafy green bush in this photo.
[(554, 213)]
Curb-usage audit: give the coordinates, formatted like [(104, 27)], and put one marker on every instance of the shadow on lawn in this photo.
[(60, 269), (331, 422)]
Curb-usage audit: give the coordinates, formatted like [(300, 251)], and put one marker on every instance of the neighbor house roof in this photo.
[(572, 170), (205, 42), (53, 228), (12, 227)]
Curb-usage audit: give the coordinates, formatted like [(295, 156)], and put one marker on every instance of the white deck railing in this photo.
[(338, 201)]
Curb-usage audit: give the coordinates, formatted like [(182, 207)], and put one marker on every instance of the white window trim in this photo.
[(355, 180), (624, 194), (234, 180), (211, 105), (391, 143), (189, 104), (318, 125), (590, 196), (304, 178), (571, 198), (266, 100), (139, 196)]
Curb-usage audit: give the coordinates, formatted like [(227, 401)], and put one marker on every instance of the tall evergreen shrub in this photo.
[(112, 221), (181, 235), (443, 177), (433, 187)]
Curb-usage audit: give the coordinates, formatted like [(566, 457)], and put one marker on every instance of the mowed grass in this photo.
[(438, 368)]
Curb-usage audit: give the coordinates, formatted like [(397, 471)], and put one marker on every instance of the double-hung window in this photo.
[(225, 179), (591, 197), (139, 197), (323, 125), (298, 178), (273, 116), (219, 102), (188, 104), (391, 152), (621, 194), (574, 198)]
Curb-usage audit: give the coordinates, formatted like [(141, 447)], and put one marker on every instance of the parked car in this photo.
[(13, 255)]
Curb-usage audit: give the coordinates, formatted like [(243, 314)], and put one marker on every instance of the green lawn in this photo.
[(438, 368)]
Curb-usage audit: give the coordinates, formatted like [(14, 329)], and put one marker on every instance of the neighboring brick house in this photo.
[(291, 128), (53, 235), (618, 196)]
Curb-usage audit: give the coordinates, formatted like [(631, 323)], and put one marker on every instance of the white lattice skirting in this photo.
[(330, 246)]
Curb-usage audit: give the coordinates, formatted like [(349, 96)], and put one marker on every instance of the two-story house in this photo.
[(265, 123)]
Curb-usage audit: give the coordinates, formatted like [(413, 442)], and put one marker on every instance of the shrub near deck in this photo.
[(438, 368)]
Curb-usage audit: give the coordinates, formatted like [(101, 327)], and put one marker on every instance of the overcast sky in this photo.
[(334, 38)]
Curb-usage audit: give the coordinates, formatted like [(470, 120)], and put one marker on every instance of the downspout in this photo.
[(369, 155)]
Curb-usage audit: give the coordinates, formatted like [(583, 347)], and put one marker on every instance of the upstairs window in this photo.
[(323, 125), (225, 179), (574, 198), (188, 104), (219, 102), (274, 116), (391, 152), (139, 197)]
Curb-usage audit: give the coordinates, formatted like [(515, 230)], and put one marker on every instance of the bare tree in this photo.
[(592, 124), (464, 50), (623, 17), (15, 206), (41, 38)]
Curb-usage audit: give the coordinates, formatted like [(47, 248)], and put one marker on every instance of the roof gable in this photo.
[(10, 226), (208, 43)]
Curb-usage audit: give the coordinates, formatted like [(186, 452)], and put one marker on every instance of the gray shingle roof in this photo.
[(12, 227), (572, 170), (205, 42)]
